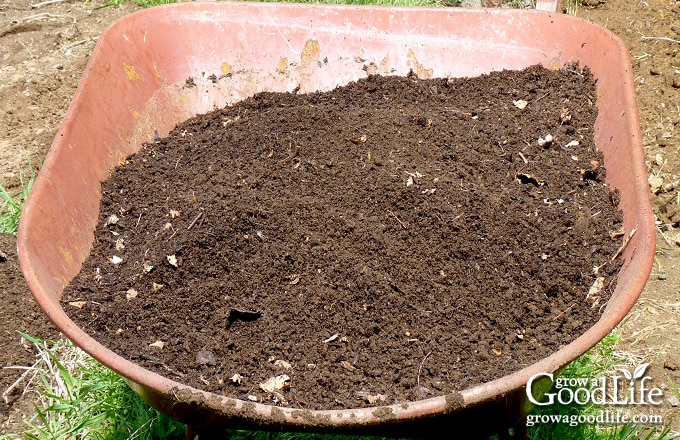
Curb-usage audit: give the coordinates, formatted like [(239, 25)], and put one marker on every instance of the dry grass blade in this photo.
[(661, 38), (31, 371), (45, 3)]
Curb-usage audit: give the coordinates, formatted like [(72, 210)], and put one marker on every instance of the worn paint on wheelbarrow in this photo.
[(134, 87)]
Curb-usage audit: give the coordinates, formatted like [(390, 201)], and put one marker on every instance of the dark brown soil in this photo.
[(391, 240), (20, 313)]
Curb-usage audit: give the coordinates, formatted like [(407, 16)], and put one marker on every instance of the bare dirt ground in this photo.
[(44, 48), (43, 52)]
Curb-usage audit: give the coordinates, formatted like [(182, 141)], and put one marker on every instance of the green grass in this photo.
[(674, 387), (600, 361), (11, 204), (78, 398)]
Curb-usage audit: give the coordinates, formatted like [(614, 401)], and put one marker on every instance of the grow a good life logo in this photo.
[(625, 389)]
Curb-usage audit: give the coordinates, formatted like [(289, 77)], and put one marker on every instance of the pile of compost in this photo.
[(390, 240)]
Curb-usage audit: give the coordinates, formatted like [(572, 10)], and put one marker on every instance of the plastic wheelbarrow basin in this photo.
[(132, 88)]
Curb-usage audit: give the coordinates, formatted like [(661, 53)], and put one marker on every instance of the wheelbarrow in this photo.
[(132, 90)]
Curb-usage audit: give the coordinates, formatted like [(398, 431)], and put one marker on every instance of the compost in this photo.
[(387, 241)]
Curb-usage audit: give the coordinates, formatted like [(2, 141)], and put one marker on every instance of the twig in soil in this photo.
[(291, 155), (332, 338), (79, 42), (624, 244), (193, 222), (49, 2), (400, 222), (541, 97), (661, 38), (658, 172), (421, 367), (663, 235), (564, 311), (575, 72), (43, 15)]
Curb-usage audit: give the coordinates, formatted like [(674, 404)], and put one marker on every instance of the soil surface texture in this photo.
[(388, 241)]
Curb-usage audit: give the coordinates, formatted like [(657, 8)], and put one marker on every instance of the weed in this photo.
[(597, 362), (11, 205), (80, 398), (675, 388)]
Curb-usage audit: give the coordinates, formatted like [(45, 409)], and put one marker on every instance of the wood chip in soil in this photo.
[(391, 240)]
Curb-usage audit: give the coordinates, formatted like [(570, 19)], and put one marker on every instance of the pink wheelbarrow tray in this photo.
[(133, 88)]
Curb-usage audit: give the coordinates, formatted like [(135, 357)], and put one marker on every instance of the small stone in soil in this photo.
[(205, 357)]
